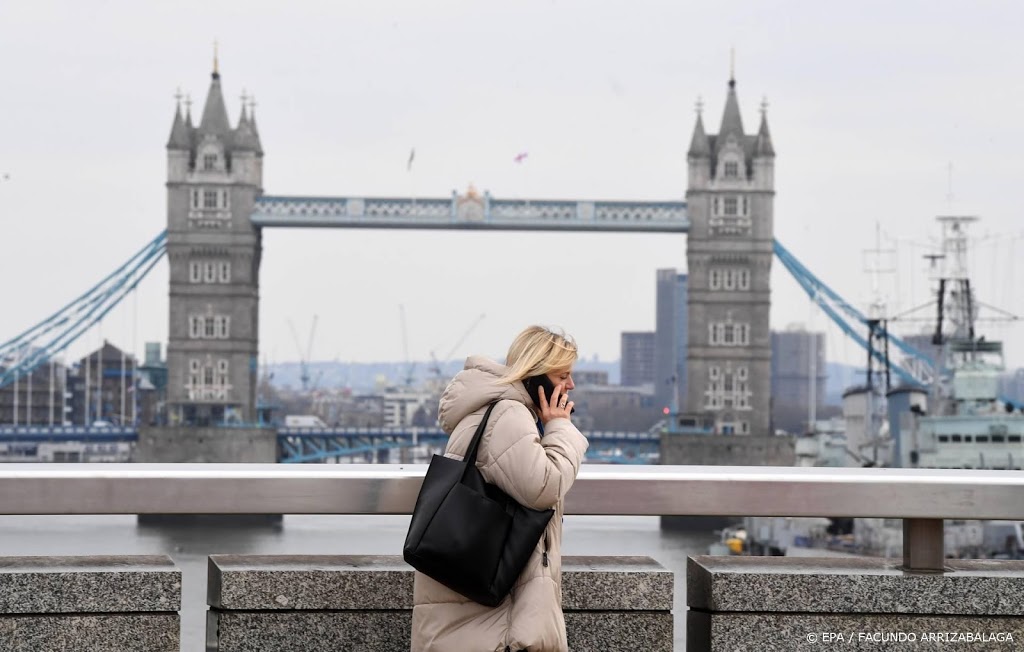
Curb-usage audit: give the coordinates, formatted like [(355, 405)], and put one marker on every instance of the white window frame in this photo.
[(211, 199), (193, 372), (742, 397), (731, 169), (209, 327), (730, 206), (209, 271), (728, 388), (210, 161), (728, 333), (221, 377), (222, 327), (728, 279)]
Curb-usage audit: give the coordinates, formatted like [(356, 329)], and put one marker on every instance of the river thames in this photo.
[(189, 546)]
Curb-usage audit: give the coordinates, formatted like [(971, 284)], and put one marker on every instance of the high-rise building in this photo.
[(670, 339), (637, 359), (729, 199), (799, 376), (681, 328), (214, 174)]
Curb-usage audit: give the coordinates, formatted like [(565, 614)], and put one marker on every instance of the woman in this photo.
[(532, 451)]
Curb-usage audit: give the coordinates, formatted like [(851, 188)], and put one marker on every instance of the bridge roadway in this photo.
[(301, 445)]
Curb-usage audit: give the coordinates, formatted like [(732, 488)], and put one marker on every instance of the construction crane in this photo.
[(409, 366), (304, 354), (435, 364)]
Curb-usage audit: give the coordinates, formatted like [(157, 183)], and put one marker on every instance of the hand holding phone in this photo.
[(533, 386)]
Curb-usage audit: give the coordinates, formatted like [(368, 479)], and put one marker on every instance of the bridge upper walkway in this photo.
[(471, 212)]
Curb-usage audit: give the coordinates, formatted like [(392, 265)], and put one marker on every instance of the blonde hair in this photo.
[(538, 350)]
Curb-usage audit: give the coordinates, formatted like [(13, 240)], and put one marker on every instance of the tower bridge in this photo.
[(217, 211)]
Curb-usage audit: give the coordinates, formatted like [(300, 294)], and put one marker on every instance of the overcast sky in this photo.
[(870, 103)]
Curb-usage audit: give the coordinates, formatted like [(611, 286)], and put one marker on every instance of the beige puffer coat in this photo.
[(535, 471)]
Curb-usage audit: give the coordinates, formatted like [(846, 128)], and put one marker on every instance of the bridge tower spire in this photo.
[(214, 175), (729, 253)]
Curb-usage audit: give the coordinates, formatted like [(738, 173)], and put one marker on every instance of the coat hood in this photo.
[(474, 387)]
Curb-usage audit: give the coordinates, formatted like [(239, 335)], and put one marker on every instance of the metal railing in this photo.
[(922, 498)]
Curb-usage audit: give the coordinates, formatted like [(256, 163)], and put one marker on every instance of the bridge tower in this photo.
[(729, 199), (214, 174)]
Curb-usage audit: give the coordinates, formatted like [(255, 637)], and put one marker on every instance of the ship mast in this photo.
[(956, 304)]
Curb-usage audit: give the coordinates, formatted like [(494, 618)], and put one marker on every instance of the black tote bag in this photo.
[(470, 535)]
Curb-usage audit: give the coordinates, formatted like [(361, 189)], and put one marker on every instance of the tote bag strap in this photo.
[(470, 458)]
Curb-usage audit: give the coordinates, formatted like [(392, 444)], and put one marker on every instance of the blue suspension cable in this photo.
[(95, 304), (818, 291), (88, 298)]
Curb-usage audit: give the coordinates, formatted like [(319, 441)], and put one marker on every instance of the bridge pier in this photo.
[(209, 445), (184, 445), (722, 450)]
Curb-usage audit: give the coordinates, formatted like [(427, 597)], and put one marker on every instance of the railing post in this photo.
[(923, 549)]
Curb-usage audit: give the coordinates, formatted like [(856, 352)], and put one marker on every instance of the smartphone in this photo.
[(533, 385)]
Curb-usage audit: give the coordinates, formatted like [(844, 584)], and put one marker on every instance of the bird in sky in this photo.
[(412, 155), (520, 157)]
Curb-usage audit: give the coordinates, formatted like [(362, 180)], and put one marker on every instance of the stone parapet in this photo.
[(100, 604), (308, 583), (289, 602), (798, 604)]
